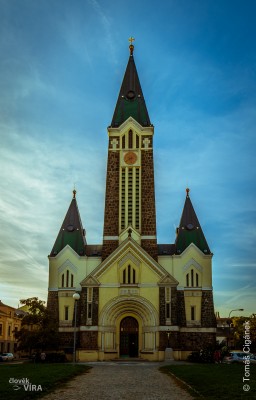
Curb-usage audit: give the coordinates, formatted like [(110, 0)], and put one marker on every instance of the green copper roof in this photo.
[(189, 230), (71, 232), (130, 102)]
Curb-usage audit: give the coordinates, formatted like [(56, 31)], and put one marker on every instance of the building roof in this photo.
[(71, 232), (130, 102), (190, 230)]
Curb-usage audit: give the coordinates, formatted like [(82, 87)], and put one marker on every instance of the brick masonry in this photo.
[(207, 313), (148, 209), (181, 314), (53, 305), (111, 217)]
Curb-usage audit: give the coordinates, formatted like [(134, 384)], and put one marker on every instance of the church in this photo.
[(137, 298)]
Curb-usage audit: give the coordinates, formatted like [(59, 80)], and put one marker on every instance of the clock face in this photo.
[(130, 158)]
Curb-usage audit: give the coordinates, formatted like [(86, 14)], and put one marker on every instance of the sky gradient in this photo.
[(61, 67)]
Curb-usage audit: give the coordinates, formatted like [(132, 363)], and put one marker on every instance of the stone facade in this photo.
[(111, 217), (165, 289), (53, 304)]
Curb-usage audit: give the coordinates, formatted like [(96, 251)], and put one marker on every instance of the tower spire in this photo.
[(131, 102), (190, 230)]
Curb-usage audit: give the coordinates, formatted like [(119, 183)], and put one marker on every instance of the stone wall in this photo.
[(196, 341), (89, 340), (162, 305), (148, 211), (207, 311), (174, 318), (111, 217), (53, 305), (181, 314)]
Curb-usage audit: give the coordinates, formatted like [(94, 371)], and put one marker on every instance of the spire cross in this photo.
[(131, 47)]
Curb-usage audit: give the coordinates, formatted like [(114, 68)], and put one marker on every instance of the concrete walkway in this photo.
[(121, 381)]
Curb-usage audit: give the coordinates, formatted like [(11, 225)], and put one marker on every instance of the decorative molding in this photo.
[(127, 257), (145, 237), (90, 281), (67, 265), (110, 237), (168, 280), (193, 263)]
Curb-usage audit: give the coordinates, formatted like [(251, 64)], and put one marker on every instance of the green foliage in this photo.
[(239, 331), (215, 381), (38, 330), (49, 376)]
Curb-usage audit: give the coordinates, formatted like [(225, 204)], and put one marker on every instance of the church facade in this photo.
[(137, 297)]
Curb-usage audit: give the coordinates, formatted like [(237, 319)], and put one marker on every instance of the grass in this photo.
[(215, 381), (49, 376)]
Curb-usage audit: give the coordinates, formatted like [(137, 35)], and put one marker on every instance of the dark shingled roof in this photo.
[(189, 230), (166, 249), (130, 101), (71, 232)]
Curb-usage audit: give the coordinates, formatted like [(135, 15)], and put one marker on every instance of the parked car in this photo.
[(238, 356), (7, 357)]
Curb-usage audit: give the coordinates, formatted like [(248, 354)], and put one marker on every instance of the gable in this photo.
[(129, 253)]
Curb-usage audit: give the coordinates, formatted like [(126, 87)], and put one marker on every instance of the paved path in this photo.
[(121, 381)]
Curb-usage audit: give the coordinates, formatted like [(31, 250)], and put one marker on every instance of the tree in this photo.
[(243, 335), (38, 329)]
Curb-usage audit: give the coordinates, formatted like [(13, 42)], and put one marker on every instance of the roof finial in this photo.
[(74, 192), (187, 190), (131, 47)]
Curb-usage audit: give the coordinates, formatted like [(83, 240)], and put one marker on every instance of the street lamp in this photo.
[(76, 297), (229, 323)]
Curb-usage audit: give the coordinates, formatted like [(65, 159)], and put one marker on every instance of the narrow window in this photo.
[(124, 276), (133, 276), (72, 280), (89, 291), (67, 278), (62, 280), (192, 277), (66, 313), (193, 313), (130, 141), (89, 311), (129, 274), (187, 279), (137, 142), (123, 142), (197, 280)]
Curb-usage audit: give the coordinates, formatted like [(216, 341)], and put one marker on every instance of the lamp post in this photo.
[(229, 323), (76, 297)]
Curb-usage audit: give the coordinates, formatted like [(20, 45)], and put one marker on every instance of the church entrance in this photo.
[(129, 337)]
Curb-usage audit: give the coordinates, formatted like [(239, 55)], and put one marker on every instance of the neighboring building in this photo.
[(136, 296), (9, 323)]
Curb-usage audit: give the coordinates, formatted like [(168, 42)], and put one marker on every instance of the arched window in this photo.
[(129, 275), (130, 139)]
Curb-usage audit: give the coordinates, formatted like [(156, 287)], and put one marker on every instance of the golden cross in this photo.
[(131, 39)]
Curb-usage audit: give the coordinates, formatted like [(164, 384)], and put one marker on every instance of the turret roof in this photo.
[(190, 230), (71, 232), (130, 102)]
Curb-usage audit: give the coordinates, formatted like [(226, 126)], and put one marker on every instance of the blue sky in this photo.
[(61, 67)]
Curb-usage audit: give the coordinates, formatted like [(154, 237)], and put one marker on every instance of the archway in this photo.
[(129, 330)]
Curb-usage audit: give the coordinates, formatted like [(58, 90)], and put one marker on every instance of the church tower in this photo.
[(130, 193), (136, 297)]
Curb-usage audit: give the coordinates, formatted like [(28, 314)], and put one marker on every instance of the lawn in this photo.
[(216, 381), (36, 377)]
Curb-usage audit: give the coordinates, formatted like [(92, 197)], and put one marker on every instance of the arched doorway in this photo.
[(129, 330)]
